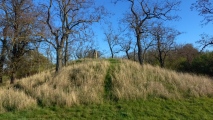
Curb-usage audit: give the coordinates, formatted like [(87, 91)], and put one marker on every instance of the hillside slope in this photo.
[(97, 81)]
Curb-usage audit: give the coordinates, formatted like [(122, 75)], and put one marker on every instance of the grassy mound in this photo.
[(98, 81), (80, 83)]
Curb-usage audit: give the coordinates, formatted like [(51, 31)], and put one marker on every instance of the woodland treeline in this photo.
[(39, 35)]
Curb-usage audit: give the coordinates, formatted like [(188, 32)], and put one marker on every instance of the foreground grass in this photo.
[(155, 108)]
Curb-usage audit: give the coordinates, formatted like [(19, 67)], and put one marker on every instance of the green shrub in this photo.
[(203, 64)]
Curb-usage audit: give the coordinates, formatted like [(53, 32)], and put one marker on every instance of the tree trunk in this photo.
[(3, 53), (12, 78), (1, 69), (66, 53), (139, 48), (161, 60), (160, 57), (13, 63), (112, 54), (127, 54), (135, 52), (59, 58), (2, 59)]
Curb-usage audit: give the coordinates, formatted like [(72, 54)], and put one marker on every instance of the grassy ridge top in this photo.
[(96, 81)]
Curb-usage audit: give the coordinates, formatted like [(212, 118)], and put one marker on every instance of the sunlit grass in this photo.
[(80, 83), (11, 100), (132, 81)]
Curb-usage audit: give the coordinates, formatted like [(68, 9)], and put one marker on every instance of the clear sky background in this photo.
[(189, 24)]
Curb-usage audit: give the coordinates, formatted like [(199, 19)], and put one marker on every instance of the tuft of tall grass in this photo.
[(85, 80), (11, 100), (30, 84), (132, 81), (48, 96)]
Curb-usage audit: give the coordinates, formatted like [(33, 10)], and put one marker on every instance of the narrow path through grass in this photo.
[(108, 86)]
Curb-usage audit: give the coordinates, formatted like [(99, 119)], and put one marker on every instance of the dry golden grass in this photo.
[(15, 100), (84, 83), (75, 84), (132, 81)]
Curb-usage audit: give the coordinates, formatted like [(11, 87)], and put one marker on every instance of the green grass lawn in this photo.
[(153, 108)]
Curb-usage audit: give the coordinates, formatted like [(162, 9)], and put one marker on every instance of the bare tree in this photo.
[(147, 42), (164, 42), (19, 20), (205, 9), (112, 39), (143, 11), (126, 46), (83, 48), (126, 43), (70, 15), (80, 43)]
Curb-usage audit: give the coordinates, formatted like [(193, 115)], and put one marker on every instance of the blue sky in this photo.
[(189, 24)]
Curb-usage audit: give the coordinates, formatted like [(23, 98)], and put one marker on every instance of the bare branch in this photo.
[(205, 9), (205, 41)]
